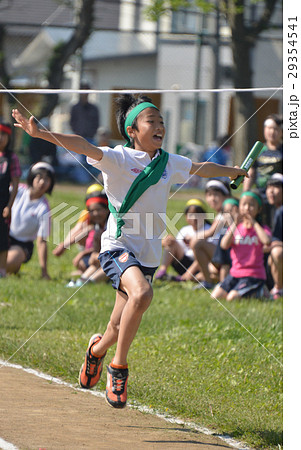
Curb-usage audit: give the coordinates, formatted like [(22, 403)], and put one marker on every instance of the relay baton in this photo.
[(248, 162)]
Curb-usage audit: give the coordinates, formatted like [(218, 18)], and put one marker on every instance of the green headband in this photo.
[(231, 201), (252, 194), (132, 116)]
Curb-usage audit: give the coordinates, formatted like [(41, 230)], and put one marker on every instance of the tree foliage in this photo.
[(244, 37), (64, 50)]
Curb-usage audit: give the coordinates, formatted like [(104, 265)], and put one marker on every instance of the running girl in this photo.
[(137, 180)]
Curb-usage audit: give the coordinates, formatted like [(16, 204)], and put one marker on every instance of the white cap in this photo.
[(43, 165), (216, 184)]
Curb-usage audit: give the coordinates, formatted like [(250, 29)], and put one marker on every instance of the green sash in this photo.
[(149, 176)]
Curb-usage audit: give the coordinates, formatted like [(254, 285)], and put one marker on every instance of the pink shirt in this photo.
[(89, 240), (247, 253)]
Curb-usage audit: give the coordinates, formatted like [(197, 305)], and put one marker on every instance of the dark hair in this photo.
[(223, 141), (98, 197), (198, 210), (277, 119), (7, 148), (34, 172), (125, 103), (212, 187)]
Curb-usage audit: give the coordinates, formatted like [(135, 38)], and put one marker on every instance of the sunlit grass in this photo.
[(215, 363)]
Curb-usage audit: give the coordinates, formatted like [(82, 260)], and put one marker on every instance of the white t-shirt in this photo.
[(29, 218), (145, 222), (189, 232)]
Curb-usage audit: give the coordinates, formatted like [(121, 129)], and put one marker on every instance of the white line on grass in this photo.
[(168, 418)]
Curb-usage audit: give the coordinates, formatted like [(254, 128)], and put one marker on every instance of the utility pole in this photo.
[(216, 79)]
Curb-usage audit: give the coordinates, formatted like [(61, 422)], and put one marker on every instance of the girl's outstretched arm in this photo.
[(210, 170), (70, 142)]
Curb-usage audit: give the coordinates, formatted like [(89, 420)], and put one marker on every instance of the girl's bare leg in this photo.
[(218, 292), (15, 258), (126, 315), (111, 334), (172, 251), (140, 295), (203, 252)]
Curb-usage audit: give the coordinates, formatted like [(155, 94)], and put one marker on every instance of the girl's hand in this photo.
[(27, 125), (6, 212), (249, 221), (237, 172)]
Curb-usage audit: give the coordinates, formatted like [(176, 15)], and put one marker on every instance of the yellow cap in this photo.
[(94, 188), (196, 202)]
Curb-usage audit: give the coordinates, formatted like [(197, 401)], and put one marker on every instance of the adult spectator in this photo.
[(84, 121), (220, 153), (40, 150), (85, 117)]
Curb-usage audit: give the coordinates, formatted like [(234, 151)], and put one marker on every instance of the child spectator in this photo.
[(10, 173), (246, 239), (204, 245), (97, 208), (78, 234), (177, 251), (274, 193), (221, 258), (31, 219), (268, 162), (137, 177)]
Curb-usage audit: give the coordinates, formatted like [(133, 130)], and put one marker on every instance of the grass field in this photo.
[(217, 364)]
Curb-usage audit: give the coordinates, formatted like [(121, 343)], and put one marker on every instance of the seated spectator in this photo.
[(204, 245), (93, 272), (221, 258), (246, 238), (98, 211), (177, 251), (30, 219), (79, 232), (274, 193)]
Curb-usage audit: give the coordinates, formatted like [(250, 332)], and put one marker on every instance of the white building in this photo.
[(164, 56)]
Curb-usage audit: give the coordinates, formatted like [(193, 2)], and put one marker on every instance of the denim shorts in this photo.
[(115, 262), (246, 286)]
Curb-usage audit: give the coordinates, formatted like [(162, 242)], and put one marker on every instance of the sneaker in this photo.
[(79, 282), (203, 285), (116, 391), (90, 371), (161, 274), (71, 284), (177, 278), (276, 293)]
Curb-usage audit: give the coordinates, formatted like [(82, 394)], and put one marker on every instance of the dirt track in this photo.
[(38, 414)]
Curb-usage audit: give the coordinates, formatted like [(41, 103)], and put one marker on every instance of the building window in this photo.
[(192, 130), (186, 20)]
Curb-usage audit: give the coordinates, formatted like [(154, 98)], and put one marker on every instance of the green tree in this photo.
[(244, 38), (61, 53), (64, 50)]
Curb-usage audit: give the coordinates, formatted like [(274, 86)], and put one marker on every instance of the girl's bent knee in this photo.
[(142, 298)]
